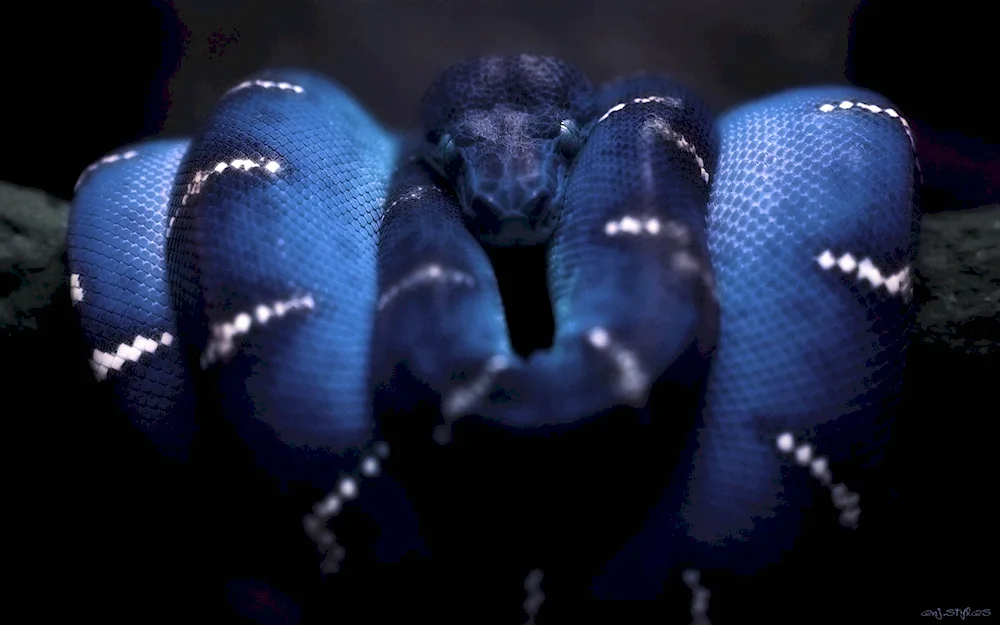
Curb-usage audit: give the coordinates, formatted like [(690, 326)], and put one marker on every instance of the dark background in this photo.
[(82, 79), (103, 74)]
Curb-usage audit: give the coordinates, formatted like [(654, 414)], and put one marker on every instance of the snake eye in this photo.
[(464, 141), (446, 154), (569, 141)]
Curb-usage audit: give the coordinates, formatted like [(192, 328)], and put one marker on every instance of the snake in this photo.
[(729, 297)]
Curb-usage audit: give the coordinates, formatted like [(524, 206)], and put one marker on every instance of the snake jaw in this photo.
[(512, 198)]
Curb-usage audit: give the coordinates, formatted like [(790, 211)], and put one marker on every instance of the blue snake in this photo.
[(736, 290)]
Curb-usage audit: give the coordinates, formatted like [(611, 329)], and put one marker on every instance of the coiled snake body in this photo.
[(296, 260)]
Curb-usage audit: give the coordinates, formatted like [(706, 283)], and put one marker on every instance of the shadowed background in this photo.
[(116, 72), (83, 79)]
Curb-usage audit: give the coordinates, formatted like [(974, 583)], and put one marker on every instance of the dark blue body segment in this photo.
[(437, 288), (630, 227), (633, 229), (812, 230), (118, 281), (310, 278), (287, 346)]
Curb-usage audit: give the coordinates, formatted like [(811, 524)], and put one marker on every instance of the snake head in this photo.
[(503, 131)]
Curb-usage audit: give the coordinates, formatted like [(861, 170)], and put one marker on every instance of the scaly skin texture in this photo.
[(731, 302)]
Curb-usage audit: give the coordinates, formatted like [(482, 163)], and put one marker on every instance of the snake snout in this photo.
[(537, 206), (523, 221)]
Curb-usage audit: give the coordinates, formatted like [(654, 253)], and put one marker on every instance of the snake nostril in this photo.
[(484, 208), (537, 206)]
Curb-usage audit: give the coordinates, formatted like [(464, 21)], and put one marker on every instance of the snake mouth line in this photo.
[(522, 277)]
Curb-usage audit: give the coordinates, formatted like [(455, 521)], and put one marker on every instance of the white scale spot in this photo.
[(75, 289), (348, 488), (685, 262), (803, 454), (633, 380), (677, 231), (110, 158), (222, 343), (263, 313), (103, 362), (847, 105), (200, 177), (242, 323), (266, 84), (456, 403), (370, 467), (819, 467), (599, 338), (427, 274), (899, 283), (329, 507), (699, 597)]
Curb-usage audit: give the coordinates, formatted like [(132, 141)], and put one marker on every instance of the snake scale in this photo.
[(730, 300)]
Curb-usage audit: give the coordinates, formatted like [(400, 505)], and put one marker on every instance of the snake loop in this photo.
[(307, 276)]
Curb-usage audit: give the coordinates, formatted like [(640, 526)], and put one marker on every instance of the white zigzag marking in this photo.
[(224, 334), (200, 177), (632, 225), (461, 399), (846, 105), (347, 487), (110, 158), (648, 225), (699, 597), (633, 380), (415, 193), (535, 597), (103, 362), (75, 290), (898, 283), (669, 134), (427, 274), (674, 102), (843, 499), (266, 84), (682, 260), (662, 128)]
